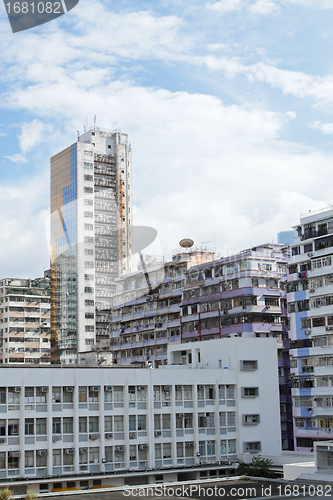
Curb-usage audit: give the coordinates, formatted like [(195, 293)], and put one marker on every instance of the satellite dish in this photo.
[(143, 236), (186, 243)]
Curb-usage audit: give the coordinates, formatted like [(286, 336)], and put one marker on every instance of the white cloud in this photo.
[(17, 158), (202, 168), (326, 128), (225, 5), (264, 7), (31, 134)]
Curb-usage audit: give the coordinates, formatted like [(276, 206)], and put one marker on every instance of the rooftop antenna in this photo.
[(78, 135), (94, 122)]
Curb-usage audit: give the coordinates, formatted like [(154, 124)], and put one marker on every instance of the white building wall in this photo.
[(202, 380)]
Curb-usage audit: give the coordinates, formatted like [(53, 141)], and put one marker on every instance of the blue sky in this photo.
[(228, 107)]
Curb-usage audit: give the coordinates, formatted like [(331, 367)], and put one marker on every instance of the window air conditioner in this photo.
[(93, 437), (45, 389), (158, 433), (108, 435), (143, 447), (178, 387), (14, 454), (94, 389), (83, 450), (17, 389), (189, 444), (120, 448), (42, 453), (56, 438), (142, 388), (3, 440), (312, 290), (69, 451), (69, 389), (108, 388), (180, 415), (132, 435)]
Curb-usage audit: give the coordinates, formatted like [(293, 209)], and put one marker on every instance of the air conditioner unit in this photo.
[(14, 454), (200, 386), (158, 433), (42, 453), (143, 447), (17, 389), (69, 451), (56, 438), (83, 450), (132, 435), (312, 290), (45, 389), (189, 444), (3, 440), (108, 435), (307, 332), (69, 389), (108, 388), (93, 437), (178, 387), (180, 415), (121, 447), (142, 388), (225, 311), (95, 389), (310, 254)]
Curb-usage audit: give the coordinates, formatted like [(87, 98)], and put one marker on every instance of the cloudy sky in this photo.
[(228, 105)]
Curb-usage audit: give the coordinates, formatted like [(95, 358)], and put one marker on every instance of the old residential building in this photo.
[(310, 307), (25, 321)]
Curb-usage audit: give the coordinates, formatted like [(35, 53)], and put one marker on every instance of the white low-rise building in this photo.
[(214, 403)]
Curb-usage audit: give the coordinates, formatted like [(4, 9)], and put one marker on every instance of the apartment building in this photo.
[(25, 321), (91, 216), (310, 309), (146, 309), (243, 295), (79, 427)]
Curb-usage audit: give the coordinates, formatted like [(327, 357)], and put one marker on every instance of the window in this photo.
[(89, 239), (93, 394), (250, 392), (89, 214), (251, 419), (87, 265), (82, 394), (83, 425), (88, 227), (88, 189), (13, 427), (56, 457), (68, 425), (118, 423), (88, 202), (93, 424), (89, 315), (88, 289), (29, 395), (41, 426), (93, 455), (56, 395), (67, 395), (108, 423), (29, 426), (252, 447), (56, 425), (87, 177), (88, 302), (29, 459), (87, 165), (88, 251), (249, 365)]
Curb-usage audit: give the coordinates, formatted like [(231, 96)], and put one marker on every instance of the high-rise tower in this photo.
[(91, 215)]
